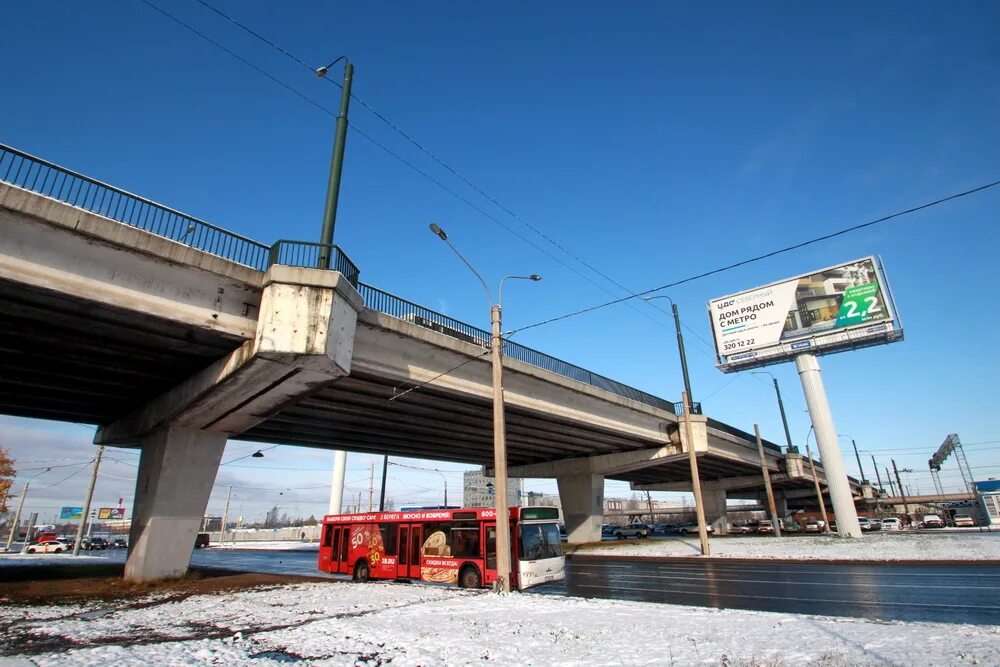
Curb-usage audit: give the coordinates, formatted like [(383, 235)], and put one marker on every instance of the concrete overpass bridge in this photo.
[(174, 335)]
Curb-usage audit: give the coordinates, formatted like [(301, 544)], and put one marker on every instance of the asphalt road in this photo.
[(947, 594)]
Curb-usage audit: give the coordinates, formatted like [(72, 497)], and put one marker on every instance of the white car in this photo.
[(932, 521), (964, 521), (48, 547), (892, 523)]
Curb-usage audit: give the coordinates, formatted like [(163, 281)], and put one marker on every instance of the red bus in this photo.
[(451, 546)]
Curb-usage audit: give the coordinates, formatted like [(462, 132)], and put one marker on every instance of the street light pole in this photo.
[(336, 161), (680, 343), (781, 408), (499, 426), (16, 525), (86, 505), (899, 483)]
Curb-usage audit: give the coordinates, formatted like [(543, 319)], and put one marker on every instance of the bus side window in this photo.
[(327, 536), (388, 531)]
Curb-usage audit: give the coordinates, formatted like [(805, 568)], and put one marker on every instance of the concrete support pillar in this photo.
[(781, 504), (582, 498), (715, 508), (176, 472)]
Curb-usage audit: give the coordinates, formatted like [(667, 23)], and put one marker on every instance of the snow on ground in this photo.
[(16, 559), (888, 546), (341, 623)]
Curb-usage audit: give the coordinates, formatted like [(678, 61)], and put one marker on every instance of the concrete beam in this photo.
[(603, 464), (714, 499), (304, 340), (176, 472), (54, 246)]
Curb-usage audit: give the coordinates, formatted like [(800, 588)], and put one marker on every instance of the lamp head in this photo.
[(321, 71), (535, 277), (438, 231), (257, 455)]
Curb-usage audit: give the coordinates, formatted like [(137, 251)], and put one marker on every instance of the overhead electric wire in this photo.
[(409, 138), (758, 258), (427, 382), (363, 134)]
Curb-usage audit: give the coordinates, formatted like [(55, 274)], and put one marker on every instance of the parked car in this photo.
[(964, 521), (692, 529), (740, 529), (892, 523), (932, 521), (201, 540), (865, 523), (791, 527), (48, 547), (814, 527), (120, 543), (765, 528), (665, 529), (639, 530), (607, 530), (876, 524)]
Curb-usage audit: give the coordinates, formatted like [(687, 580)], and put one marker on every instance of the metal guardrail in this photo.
[(742, 435), (45, 178), (390, 304), (309, 254)]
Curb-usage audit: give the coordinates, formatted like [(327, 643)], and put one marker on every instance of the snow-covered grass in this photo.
[(341, 623), (888, 546), (18, 559)]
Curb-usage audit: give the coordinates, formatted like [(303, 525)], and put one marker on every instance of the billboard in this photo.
[(111, 513), (71, 513), (838, 308)]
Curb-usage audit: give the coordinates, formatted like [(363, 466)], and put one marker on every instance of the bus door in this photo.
[(490, 549), (338, 548), (409, 542)]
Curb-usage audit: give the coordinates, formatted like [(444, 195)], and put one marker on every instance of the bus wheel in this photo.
[(470, 577), (361, 572)]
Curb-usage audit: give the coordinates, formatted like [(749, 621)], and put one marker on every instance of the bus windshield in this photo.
[(540, 541)]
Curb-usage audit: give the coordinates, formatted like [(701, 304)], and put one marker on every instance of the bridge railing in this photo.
[(45, 178), (390, 304)]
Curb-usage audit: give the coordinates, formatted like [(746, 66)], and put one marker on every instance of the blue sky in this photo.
[(654, 143)]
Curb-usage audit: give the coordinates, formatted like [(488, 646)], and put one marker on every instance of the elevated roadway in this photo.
[(173, 335)]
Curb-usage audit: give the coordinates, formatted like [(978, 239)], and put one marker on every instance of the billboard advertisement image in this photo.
[(71, 513), (106, 513), (838, 308)]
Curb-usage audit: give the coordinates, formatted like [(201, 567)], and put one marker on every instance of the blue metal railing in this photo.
[(45, 178), (390, 304)]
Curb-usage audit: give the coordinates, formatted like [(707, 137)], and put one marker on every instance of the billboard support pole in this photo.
[(15, 526), (90, 496), (829, 448)]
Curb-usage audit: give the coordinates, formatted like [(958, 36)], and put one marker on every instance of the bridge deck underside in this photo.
[(356, 414), (73, 360)]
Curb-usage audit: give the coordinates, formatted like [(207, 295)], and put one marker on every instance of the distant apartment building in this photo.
[(477, 490)]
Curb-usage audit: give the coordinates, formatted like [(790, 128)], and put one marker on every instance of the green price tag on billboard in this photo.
[(860, 304)]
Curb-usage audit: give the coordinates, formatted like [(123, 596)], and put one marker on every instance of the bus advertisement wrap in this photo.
[(838, 308)]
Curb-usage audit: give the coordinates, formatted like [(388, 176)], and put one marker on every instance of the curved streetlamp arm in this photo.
[(533, 277)]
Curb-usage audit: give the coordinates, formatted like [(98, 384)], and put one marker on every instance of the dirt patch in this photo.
[(70, 584)]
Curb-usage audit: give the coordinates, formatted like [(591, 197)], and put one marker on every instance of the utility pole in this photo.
[(860, 469), (225, 517), (767, 483), (90, 497), (371, 487), (781, 409), (877, 476), (649, 502), (381, 495), (899, 482), (892, 487), (500, 454), (699, 507), (16, 526), (819, 491)]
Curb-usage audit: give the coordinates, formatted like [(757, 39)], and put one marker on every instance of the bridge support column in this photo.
[(714, 499), (780, 504), (582, 498), (176, 472)]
